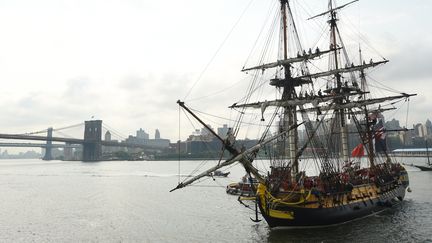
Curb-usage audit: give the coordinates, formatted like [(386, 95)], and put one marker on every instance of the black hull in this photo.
[(424, 168), (312, 217)]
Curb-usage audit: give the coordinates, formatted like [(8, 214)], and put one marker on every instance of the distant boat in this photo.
[(219, 173), (424, 168), (428, 166)]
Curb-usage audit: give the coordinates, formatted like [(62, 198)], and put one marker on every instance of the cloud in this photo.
[(133, 83), (410, 62), (130, 70)]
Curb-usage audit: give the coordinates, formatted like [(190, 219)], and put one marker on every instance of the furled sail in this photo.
[(314, 100), (346, 69), (332, 10), (300, 58), (359, 103)]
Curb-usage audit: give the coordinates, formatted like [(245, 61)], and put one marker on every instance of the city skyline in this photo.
[(127, 62), (419, 129)]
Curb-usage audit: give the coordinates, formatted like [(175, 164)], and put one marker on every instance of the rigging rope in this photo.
[(179, 139), (217, 92), (271, 9), (360, 35), (255, 79), (218, 49), (385, 87), (64, 134), (207, 146)]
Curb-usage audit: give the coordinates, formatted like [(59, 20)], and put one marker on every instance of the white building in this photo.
[(141, 134), (222, 131)]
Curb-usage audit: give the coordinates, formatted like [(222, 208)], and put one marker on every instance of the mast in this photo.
[(369, 135), (338, 83), (290, 114), (427, 152)]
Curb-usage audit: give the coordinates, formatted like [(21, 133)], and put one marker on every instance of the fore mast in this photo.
[(288, 85), (338, 81)]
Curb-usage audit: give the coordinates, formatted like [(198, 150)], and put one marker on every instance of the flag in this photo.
[(358, 151), (380, 137)]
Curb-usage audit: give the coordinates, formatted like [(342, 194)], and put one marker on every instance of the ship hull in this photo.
[(307, 217), (302, 216)]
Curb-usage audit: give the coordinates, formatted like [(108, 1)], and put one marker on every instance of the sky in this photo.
[(127, 62)]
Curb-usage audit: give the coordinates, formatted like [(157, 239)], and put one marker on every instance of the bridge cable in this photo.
[(37, 132), (55, 129), (67, 127), (115, 132), (64, 134)]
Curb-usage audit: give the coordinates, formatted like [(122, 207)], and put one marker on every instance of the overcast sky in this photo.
[(128, 61)]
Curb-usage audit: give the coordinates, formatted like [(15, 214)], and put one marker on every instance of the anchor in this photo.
[(256, 220)]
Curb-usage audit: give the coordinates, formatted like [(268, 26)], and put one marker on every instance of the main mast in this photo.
[(289, 115)]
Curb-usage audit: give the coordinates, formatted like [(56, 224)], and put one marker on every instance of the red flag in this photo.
[(358, 151)]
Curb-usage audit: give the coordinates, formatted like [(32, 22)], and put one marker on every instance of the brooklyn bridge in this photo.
[(91, 143)]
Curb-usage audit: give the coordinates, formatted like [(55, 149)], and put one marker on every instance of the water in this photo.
[(128, 201)]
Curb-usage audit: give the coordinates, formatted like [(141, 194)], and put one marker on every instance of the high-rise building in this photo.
[(108, 136), (197, 132), (223, 131), (143, 138), (420, 130), (428, 127), (205, 131), (142, 134), (393, 124)]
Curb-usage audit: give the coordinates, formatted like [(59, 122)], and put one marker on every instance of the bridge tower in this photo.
[(92, 147), (48, 147)]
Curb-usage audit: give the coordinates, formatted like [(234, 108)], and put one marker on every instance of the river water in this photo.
[(129, 201)]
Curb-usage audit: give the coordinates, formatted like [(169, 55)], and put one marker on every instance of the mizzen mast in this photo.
[(368, 134), (338, 83)]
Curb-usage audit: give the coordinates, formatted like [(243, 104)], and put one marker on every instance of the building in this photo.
[(223, 131), (420, 130), (108, 136), (406, 137), (206, 132), (141, 134), (142, 138), (413, 152), (393, 124), (428, 127)]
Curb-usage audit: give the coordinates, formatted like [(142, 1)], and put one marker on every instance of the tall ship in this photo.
[(315, 175)]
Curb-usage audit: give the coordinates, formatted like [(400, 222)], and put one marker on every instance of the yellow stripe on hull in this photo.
[(281, 214)]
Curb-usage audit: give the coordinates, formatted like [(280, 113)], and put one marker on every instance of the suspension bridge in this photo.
[(91, 143)]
